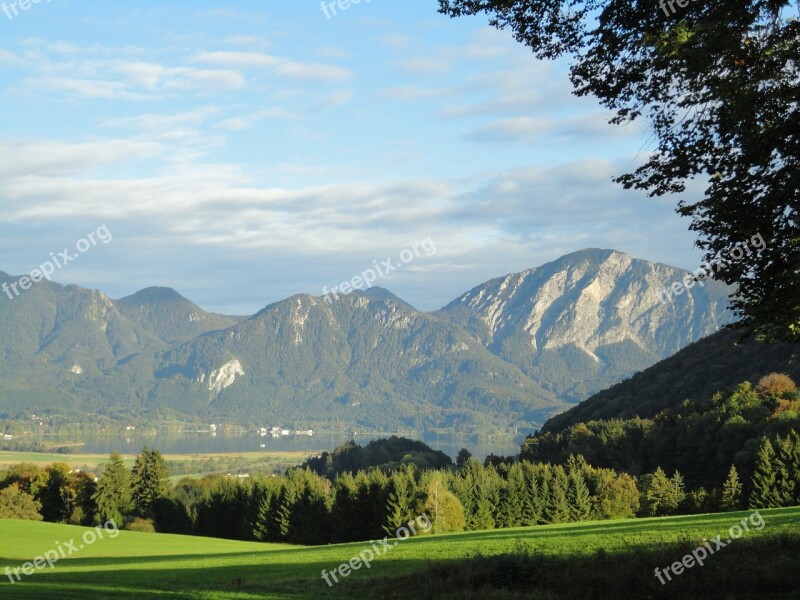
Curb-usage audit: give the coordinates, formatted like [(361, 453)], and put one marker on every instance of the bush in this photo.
[(17, 504), (776, 384), (141, 525)]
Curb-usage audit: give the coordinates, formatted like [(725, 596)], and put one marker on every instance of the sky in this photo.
[(243, 152)]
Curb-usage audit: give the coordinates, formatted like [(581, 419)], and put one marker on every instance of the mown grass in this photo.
[(609, 559)]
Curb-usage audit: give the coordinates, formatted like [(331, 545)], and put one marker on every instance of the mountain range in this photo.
[(506, 354)]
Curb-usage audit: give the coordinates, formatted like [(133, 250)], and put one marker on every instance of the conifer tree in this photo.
[(476, 496), (309, 522), (785, 476), (731, 491), (678, 491), (148, 479), (402, 497), (531, 513), (113, 494), (373, 495), (763, 489), (492, 482), (282, 517), (544, 477), (345, 498), (83, 488), (580, 503), (793, 463), (558, 509), (512, 494), (264, 497)]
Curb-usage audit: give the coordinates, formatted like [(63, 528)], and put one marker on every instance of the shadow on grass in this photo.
[(761, 566), (747, 568), (705, 524)]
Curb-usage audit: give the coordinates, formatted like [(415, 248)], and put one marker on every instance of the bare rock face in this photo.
[(225, 376), (595, 314)]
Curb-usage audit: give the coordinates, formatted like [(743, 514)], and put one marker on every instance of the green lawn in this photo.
[(140, 565)]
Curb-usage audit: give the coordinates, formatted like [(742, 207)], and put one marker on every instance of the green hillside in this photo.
[(167, 315), (716, 363), (613, 559), (374, 363)]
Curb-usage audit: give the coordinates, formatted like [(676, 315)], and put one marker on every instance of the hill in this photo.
[(385, 454), (167, 315), (716, 363), (605, 560)]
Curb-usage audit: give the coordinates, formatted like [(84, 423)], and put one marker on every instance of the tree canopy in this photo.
[(717, 81)]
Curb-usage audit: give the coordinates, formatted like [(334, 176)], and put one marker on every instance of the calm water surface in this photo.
[(201, 443)]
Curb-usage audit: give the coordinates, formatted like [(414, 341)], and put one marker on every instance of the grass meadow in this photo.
[(605, 559)]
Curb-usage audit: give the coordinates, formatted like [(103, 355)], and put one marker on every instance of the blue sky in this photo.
[(242, 152)]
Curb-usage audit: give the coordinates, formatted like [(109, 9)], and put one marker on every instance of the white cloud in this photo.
[(128, 80), (10, 58), (88, 88), (257, 41), (236, 59), (158, 77), (425, 66), (396, 41), (38, 161), (412, 92), (282, 66), (250, 120), (154, 122), (313, 72), (569, 130)]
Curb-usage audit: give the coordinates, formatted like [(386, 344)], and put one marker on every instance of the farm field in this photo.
[(91, 461), (607, 559)]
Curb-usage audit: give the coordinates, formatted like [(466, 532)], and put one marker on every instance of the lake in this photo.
[(203, 443)]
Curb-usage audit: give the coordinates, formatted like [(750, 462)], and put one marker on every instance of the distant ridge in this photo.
[(151, 295), (169, 316), (379, 293)]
